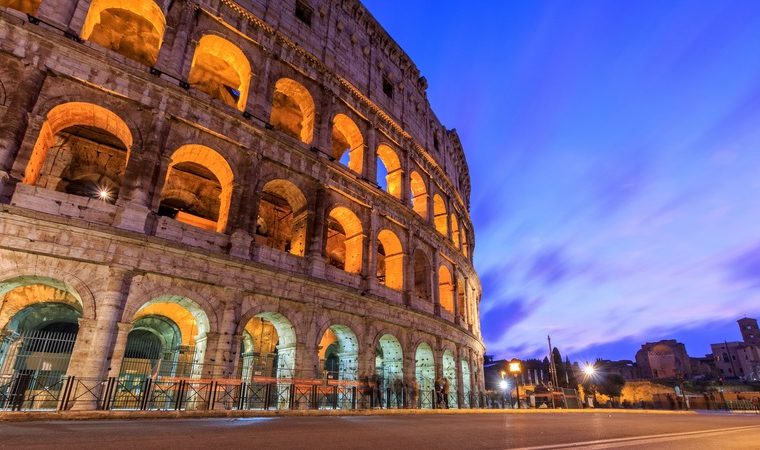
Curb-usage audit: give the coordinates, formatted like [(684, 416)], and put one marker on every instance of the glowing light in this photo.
[(104, 194), (503, 385), (514, 367), (589, 370)]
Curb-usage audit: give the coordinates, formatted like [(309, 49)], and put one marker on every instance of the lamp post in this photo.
[(515, 368), (504, 385), (589, 373)]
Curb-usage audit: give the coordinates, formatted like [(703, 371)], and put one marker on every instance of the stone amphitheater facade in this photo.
[(256, 187)]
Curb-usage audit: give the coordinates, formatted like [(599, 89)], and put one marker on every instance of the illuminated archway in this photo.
[(134, 28), (293, 110), (27, 6), (221, 70), (419, 195), (389, 365), (268, 347), (390, 260), (446, 289), (466, 383), (422, 276), (345, 240), (168, 338), (282, 217), (440, 216), (339, 353), (347, 143), (455, 230), (449, 367), (198, 188), (389, 173), (425, 374), (82, 149)]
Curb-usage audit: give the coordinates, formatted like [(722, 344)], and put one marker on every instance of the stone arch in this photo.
[(422, 271), (419, 194), (83, 149), (390, 260), (19, 293), (338, 353), (345, 240), (176, 320), (25, 6), (455, 231), (347, 143), (134, 28), (389, 361), (282, 217), (198, 188), (449, 367), (220, 69), (440, 216), (424, 364), (268, 346), (389, 167), (446, 289), (293, 110)]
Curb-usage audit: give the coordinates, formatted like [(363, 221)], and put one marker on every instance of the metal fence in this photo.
[(165, 394)]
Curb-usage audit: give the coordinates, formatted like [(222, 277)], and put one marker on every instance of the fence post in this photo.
[(241, 395), (212, 395), (388, 398), (108, 395), (335, 396), (314, 400), (146, 394), (291, 397), (180, 396), (63, 400), (353, 397), (268, 396)]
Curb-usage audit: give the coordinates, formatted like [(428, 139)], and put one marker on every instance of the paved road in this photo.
[(544, 430)]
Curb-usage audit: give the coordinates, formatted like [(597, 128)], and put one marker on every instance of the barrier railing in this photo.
[(19, 392)]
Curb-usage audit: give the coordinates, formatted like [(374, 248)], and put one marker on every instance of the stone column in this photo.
[(455, 289), (323, 127), (176, 41), (406, 189), (120, 346), (317, 231), (139, 178), (436, 293), (61, 13), (369, 263), (221, 349), (91, 356), (449, 232), (370, 155), (245, 209), (460, 377), (15, 122)]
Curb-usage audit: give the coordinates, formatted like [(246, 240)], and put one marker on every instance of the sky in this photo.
[(614, 152)]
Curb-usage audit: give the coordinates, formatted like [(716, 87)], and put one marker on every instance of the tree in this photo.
[(560, 367), (570, 373), (612, 384)]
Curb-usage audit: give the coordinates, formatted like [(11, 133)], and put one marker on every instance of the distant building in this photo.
[(663, 359), (624, 367), (740, 359)]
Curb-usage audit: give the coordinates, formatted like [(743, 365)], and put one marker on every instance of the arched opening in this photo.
[(450, 374), (39, 319), (425, 374), (390, 260), (422, 276), (268, 348), (440, 216), (133, 28), (343, 247), (282, 217), (168, 339), (389, 367), (389, 173), (83, 150), (26, 6), (221, 70), (419, 195), (198, 188), (461, 299), (466, 386), (293, 110), (446, 289), (455, 230), (347, 143), (339, 353)]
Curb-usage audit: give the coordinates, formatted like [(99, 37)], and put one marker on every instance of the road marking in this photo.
[(611, 443)]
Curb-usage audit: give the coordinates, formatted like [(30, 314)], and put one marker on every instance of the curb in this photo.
[(222, 414)]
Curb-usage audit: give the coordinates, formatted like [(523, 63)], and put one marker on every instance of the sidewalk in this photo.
[(135, 415)]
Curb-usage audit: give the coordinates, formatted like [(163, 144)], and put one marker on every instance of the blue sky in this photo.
[(614, 150)]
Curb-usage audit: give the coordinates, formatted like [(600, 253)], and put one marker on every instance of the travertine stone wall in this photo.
[(248, 147)]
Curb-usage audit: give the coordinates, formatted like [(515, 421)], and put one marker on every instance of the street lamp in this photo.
[(589, 370), (515, 368)]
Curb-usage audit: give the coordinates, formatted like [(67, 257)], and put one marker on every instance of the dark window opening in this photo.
[(304, 12), (387, 87)]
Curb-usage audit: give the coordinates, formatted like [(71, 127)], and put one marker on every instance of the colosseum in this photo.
[(220, 204)]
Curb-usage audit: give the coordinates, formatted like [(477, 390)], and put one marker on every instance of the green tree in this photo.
[(560, 366)]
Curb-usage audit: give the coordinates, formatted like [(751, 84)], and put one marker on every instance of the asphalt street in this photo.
[(543, 430)]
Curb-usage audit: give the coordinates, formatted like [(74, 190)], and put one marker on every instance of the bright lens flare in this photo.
[(503, 385), (104, 194), (589, 370)]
